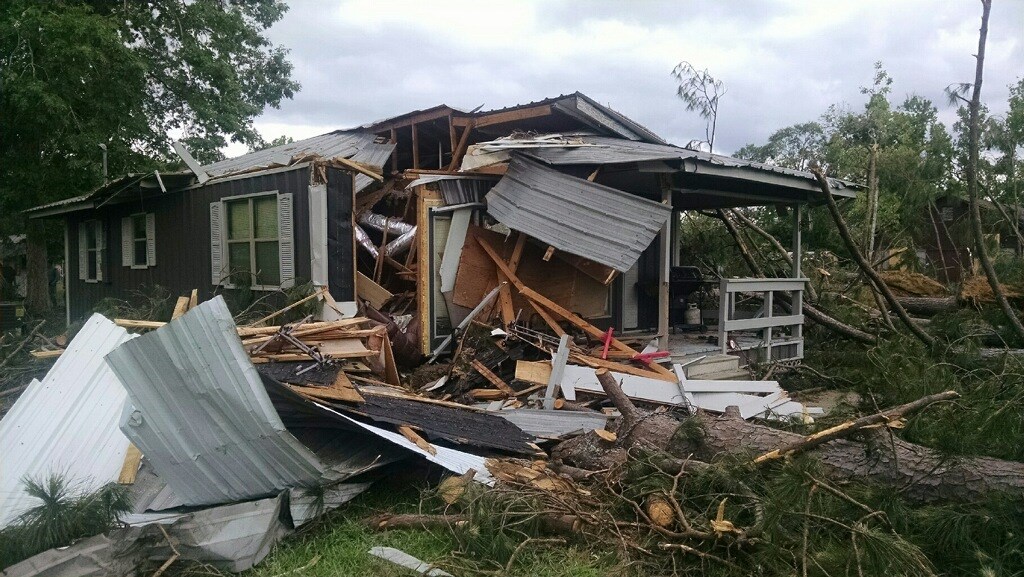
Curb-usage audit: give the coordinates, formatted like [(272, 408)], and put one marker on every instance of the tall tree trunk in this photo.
[(869, 237), (972, 179), (865, 266), (37, 291)]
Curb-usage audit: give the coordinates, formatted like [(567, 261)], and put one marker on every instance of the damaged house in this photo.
[(568, 202)]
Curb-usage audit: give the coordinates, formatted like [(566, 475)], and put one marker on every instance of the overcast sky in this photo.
[(782, 61)]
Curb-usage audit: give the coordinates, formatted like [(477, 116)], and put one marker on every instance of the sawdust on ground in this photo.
[(976, 290)]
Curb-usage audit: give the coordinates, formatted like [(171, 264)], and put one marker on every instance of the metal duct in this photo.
[(400, 244), (364, 241), (376, 221)]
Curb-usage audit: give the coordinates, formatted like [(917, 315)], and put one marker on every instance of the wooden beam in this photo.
[(509, 116), (491, 377), (394, 155), (403, 121), (551, 322), (179, 307), (451, 134), (508, 311), (460, 150), (130, 467), (415, 147), (415, 438), (359, 167)]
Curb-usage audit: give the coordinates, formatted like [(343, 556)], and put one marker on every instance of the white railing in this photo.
[(781, 336)]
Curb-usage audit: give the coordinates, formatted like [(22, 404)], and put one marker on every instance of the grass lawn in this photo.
[(342, 542)]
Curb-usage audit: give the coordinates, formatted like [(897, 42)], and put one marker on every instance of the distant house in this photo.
[(383, 212)]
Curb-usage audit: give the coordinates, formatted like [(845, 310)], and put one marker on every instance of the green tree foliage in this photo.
[(129, 75), (914, 162)]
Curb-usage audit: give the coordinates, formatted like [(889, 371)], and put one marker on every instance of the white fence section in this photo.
[(781, 336)]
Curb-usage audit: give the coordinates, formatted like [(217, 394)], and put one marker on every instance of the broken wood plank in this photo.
[(491, 377), (550, 252), (278, 312), (345, 395), (130, 468), (193, 299), (415, 437), (47, 354), (179, 307), (359, 167)]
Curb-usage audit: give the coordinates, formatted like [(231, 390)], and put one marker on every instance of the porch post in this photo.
[(663, 270), (797, 248)]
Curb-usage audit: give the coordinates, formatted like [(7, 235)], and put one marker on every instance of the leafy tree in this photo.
[(77, 74), (701, 92)]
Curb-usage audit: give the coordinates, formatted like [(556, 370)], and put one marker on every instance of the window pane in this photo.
[(91, 264), (90, 234), (268, 264), (139, 226), (238, 220), (265, 211), (238, 257), (139, 257)]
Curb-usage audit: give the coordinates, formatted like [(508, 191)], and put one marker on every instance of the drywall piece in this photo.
[(453, 248), (403, 559), (67, 423)]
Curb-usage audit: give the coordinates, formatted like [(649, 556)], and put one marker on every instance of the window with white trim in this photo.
[(138, 241), (252, 242), (91, 244)]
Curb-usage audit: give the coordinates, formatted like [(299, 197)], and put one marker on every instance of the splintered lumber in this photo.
[(559, 310), (415, 438), (193, 299), (372, 292), (130, 468), (47, 354), (180, 307), (278, 312), (344, 394), (491, 377)]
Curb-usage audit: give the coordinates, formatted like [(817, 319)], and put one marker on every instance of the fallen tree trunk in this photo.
[(919, 473)]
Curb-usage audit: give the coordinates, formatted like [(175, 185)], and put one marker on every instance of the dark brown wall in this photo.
[(182, 239)]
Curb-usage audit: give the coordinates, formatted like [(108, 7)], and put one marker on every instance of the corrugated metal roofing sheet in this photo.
[(200, 414), (337, 144), (618, 151), (597, 222), (67, 423)]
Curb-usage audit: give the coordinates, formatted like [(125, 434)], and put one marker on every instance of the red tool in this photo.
[(607, 343)]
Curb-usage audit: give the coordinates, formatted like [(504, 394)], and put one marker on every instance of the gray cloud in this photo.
[(783, 61)]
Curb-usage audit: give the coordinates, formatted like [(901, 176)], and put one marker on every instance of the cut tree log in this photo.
[(919, 473)]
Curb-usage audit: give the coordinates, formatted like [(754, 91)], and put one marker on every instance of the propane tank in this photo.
[(692, 314)]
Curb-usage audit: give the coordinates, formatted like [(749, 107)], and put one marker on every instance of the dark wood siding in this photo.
[(340, 240), (182, 239)]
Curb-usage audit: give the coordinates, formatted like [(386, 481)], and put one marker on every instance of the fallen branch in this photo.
[(850, 427)]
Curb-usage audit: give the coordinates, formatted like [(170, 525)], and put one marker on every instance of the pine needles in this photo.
[(63, 515)]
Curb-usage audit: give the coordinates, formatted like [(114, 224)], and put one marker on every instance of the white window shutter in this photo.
[(126, 241), (83, 254), (101, 245), (216, 243), (150, 239), (318, 234), (285, 240)]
